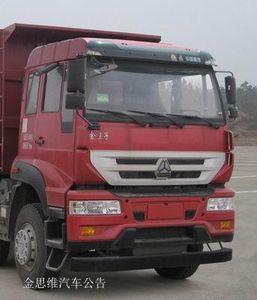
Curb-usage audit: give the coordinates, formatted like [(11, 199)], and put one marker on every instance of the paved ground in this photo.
[(233, 280)]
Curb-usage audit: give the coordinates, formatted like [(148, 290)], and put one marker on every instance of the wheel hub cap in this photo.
[(25, 245)]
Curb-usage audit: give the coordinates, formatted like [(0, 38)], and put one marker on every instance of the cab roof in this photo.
[(129, 49), (53, 43)]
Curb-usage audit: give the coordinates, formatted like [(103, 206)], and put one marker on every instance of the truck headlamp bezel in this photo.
[(220, 204), (94, 207)]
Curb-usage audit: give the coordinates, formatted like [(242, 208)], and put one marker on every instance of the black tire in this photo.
[(4, 251), (32, 219), (180, 273)]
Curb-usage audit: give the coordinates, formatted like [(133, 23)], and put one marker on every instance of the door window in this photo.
[(53, 86), (32, 95)]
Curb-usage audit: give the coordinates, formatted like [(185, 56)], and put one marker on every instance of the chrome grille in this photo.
[(145, 174), (139, 167), (149, 161)]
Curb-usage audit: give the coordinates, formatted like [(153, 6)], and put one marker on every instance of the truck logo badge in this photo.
[(163, 169)]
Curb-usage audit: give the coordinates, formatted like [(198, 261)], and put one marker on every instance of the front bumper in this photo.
[(132, 238), (148, 212), (146, 248), (119, 263), (151, 232)]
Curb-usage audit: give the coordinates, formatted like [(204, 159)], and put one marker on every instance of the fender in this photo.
[(32, 176)]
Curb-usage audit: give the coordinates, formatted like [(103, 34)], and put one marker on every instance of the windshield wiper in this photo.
[(197, 118), (168, 117), (121, 113), (100, 67)]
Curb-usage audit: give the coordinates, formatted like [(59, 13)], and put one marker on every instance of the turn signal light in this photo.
[(87, 231), (226, 225)]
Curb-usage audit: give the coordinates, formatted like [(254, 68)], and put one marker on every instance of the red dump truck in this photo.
[(115, 153)]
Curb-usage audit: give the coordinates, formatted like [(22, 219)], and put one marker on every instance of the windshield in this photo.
[(150, 87)]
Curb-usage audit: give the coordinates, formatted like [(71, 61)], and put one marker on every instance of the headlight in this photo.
[(220, 204), (106, 207)]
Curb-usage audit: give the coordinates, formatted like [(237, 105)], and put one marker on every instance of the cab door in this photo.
[(27, 147), (54, 142)]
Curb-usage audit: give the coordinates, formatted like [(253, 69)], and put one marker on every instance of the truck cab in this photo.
[(122, 160)]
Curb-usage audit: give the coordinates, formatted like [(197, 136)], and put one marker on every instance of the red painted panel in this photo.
[(122, 136), (52, 33), (165, 211), (47, 53), (111, 226)]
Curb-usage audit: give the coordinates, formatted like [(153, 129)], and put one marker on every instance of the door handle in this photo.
[(40, 141)]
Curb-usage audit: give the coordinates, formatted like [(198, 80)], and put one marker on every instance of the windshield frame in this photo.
[(105, 117)]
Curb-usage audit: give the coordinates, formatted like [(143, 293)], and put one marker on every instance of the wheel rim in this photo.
[(26, 246)]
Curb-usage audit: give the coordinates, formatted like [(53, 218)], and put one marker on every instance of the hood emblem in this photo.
[(163, 169)]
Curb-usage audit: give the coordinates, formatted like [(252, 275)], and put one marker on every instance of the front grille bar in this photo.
[(142, 174)]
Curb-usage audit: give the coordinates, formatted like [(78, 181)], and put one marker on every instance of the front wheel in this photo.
[(29, 247), (178, 273)]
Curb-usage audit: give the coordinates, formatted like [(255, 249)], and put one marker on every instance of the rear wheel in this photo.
[(180, 273), (4, 251), (29, 245)]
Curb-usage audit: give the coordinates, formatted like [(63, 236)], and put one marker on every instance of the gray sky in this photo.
[(225, 28)]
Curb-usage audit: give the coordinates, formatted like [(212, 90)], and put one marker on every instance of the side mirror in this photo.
[(230, 86), (75, 101), (76, 76), (232, 112), (75, 97)]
